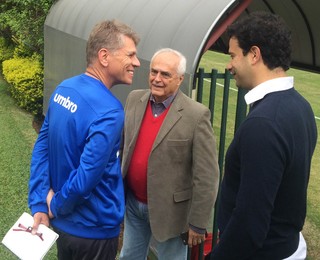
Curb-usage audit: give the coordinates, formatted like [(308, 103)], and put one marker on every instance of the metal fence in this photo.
[(240, 114)]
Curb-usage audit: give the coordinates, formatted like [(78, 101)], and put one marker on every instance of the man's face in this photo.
[(164, 80), (121, 63), (239, 66)]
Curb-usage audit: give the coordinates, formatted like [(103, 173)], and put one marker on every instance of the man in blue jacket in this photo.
[(76, 179), (267, 166)]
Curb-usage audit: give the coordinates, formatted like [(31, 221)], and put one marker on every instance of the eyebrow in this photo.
[(131, 52), (162, 73)]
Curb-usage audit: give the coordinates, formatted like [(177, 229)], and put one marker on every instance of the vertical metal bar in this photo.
[(201, 76), (200, 84), (223, 128), (213, 87), (200, 255), (241, 110), (224, 115), (240, 115), (189, 253)]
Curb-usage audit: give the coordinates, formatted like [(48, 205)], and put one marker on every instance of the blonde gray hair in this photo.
[(108, 34)]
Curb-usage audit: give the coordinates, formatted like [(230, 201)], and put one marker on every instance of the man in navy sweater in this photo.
[(267, 166)]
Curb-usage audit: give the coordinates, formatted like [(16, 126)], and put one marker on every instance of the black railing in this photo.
[(240, 114)]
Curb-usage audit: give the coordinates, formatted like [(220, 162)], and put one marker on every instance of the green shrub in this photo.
[(25, 77), (6, 51)]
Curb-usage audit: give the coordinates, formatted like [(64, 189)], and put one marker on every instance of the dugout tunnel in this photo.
[(192, 27)]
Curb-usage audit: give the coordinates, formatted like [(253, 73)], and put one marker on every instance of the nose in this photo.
[(157, 77), (136, 62), (229, 66)]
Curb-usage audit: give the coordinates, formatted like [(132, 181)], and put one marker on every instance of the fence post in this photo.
[(227, 77), (200, 85), (241, 111), (213, 87)]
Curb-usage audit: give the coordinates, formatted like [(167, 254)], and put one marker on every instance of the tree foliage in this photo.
[(21, 24), (21, 50)]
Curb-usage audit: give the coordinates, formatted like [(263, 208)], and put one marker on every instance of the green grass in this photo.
[(17, 138), (16, 141)]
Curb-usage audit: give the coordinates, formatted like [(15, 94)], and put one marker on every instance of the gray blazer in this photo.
[(183, 172)]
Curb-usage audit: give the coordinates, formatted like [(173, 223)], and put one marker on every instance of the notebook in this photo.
[(25, 245)]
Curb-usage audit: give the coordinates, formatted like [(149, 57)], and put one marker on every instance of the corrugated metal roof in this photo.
[(188, 26), (179, 24)]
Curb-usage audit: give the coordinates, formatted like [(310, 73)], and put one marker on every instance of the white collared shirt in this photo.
[(269, 86)]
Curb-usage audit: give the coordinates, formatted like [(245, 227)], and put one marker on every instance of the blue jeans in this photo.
[(137, 235)]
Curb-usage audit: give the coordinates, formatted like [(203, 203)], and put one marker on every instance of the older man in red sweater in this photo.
[(169, 164)]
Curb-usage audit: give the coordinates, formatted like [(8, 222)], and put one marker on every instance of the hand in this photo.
[(49, 198), (39, 218), (195, 238)]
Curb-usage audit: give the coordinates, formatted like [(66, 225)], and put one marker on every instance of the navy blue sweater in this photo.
[(264, 190)]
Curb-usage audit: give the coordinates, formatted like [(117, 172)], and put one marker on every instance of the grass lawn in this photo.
[(17, 138), (16, 142)]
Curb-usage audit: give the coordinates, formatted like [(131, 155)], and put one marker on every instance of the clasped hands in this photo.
[(41, 217)]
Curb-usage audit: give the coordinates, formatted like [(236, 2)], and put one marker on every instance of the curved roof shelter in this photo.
[(192, 27)]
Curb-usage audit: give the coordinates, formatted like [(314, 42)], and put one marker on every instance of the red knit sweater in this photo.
[(137, 171)]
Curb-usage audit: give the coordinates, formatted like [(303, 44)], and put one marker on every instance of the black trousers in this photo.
[(77, 248)]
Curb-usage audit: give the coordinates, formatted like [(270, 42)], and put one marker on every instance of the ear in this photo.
[(103, 56), (255, 54), (180, 79)]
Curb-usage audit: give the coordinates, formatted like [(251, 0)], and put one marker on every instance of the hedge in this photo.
[(25, 77)]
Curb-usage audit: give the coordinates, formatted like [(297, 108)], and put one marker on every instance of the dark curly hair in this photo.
[(267, 31)]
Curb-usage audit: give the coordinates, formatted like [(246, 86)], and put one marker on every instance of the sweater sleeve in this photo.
[(39, 183), (260, 149)]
